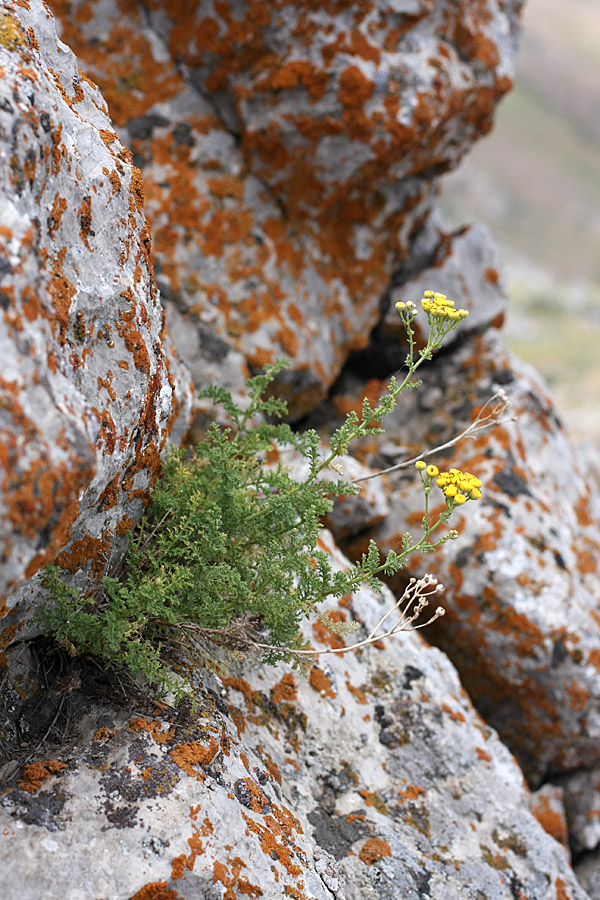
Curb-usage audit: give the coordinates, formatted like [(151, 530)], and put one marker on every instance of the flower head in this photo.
[(458, 487), (438, 306)]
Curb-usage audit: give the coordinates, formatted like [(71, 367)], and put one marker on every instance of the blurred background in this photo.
[(535, 182)]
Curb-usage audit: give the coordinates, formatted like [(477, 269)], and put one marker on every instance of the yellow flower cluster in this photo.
[(459, 486), (440, 307), (456, 485)]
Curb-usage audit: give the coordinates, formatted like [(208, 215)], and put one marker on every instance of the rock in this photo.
[(521, 624), (547, 805), (250, 796), (582, 803), (89, 392), (284, 156), (588, 874)]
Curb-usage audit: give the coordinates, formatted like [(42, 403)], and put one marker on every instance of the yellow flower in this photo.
[(432, 471), (459, 486), (420, 465)]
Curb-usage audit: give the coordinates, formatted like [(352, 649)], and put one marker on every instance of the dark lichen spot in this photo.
[(511, 483), (335, 833)]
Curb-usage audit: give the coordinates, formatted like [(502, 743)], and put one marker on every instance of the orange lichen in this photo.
[(188, 756), (321, 683), (155, 890), (284, 690), (374, 850), (35, 774), (153, 728), (551, 820), (356, 692), (238, 684), (104, 734), (267, 836), (234, 879), (412, 792)]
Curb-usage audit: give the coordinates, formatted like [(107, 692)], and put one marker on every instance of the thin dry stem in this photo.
[(483, 420), (415, 598)]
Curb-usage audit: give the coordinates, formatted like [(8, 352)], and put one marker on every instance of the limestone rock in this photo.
[(371, 778), (289, 156), (523, 581), (466, 266), (582, 803), (88, 392), (588, 874), (548, 806)]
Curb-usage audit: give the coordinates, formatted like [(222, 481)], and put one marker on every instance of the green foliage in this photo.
[(228, 547)]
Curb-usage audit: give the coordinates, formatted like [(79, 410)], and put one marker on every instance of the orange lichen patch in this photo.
[(374, 850), (153, 728), (356, 692), (561, 890), (270, 763), (238, 684), (104, 734), (188, 756), (284, 690), (552, 820), (136, 345), (294, 74), (411, 792), (88, 549), (231, 880), (85, 221), (137, 188), (32, 308), (578, 696), (454, 714), (56, 214), (125, 525), (483, 754), (36, 773), (321, 683), (267, 836), (61, 292), (155, 890)]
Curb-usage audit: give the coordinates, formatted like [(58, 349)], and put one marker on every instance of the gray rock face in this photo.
[(373, 777), (523, 581), (89, 394), (288, 155)]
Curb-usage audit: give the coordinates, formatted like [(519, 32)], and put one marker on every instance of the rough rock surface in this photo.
[(415, 796), (523, 581), (289, 151), (581, 791), (88, 392)]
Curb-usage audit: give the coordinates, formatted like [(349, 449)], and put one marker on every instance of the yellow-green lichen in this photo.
[(11, 35)]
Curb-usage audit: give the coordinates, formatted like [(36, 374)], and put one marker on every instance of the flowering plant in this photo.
[(228, 549)]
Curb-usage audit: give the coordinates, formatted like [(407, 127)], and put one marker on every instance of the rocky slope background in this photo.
[(266, 174)]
